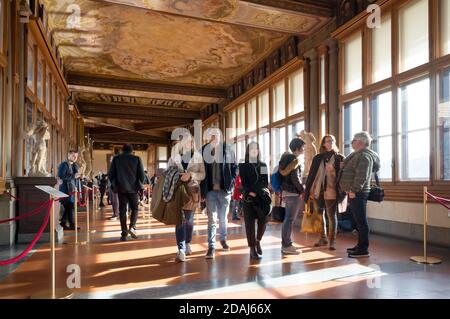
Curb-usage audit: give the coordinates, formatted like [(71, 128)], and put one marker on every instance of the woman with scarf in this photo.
[(256, 197), (322, 187), (189, 165)]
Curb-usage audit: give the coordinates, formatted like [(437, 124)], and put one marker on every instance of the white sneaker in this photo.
[(291, 250), (188, 250), (181, 256)]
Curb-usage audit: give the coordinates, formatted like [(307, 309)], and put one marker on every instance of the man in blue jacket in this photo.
[(70, 178), (216, 188)]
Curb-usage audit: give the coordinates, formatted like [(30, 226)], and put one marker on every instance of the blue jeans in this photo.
[(183, 232), (358, 206), (292, 208), (217, 203)]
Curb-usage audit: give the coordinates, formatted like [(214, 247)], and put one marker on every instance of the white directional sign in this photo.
[(52, 191)]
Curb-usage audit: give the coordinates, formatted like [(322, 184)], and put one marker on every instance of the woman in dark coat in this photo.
[(322, 186), (256, 206)]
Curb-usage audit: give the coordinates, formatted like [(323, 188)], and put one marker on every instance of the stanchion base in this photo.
[(63, 293), (427, 260)]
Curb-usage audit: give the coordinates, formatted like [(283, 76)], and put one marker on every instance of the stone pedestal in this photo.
[(29, 227)]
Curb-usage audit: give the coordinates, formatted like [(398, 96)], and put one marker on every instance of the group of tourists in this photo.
[(211, 177)]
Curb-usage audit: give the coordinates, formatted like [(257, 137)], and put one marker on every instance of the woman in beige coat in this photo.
[(192, 170)]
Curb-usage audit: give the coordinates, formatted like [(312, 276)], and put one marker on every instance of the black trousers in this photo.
[(68, 213), (250, 217), (132, 200)]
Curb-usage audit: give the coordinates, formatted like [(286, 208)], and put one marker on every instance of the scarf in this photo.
[(321, 180), (170, 182)]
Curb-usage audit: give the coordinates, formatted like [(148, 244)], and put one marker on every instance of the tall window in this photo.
[(381, 131), (278, 101), (40, 81), (381, 51), (414, 130), (296, 102), (353, 123), (322, 79), (48, 89), (323, 123), (251, 115), (353, 63), (263, 104), (231, 132), (294, 129), (445, 26), (162, 156), (413, 35), (264, 145), (443, 126), (30, 66), (241, 151), (241, 120)]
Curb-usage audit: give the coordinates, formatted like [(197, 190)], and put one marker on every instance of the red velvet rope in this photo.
[(33, 242), (440, 200), (32, 213), (24, 201)]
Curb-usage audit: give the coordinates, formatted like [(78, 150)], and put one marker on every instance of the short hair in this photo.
[(127, 149), (72, 152), (363, 137), (296, 144)]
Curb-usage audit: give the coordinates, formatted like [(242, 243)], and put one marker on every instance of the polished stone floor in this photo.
[(145, 268)]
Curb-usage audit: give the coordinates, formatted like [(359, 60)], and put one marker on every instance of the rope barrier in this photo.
[(33, 242), (32, 213), (439, 200), (24, 201)]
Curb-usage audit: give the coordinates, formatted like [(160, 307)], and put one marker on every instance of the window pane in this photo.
[(48, 87), (55, 100), (381, 131), (323, 123), (263, 108), (251, 115), (241, 151), (162, 153), (241, 120), (445, 26), (296, 104), (352, 123), (413, 34), (278, 143), (294, 129), (264, 145), (381, 51), (30, 64), (443, 131), (279, 106), (353, 63), (40, 76), (413, 130), (231, 132), (322, 80)]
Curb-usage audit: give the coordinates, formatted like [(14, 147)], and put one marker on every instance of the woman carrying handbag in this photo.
[(255, 181)]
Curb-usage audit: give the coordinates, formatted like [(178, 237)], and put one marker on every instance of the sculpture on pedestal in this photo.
[(39, 134), (310, 150)]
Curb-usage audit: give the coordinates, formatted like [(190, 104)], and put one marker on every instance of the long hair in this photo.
[(247, 153), (322, 148)]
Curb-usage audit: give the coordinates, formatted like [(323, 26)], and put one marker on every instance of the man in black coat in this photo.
[(126, 176)]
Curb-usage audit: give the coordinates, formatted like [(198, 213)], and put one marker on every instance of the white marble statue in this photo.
[(39, 134), (310, 150)]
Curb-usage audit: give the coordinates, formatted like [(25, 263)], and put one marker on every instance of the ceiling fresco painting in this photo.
[(147, 45), (235, 12)]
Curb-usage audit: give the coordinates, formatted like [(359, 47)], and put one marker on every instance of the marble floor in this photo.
[(145, 268)]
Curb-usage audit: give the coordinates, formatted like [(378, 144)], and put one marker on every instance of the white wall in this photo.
[(100, 159), (409, 213)]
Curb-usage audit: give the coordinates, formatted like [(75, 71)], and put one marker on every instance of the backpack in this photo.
[(276, 180)]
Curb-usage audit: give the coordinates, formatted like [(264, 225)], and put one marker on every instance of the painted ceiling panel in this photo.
[(107, 39)]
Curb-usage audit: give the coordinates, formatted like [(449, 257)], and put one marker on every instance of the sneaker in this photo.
[(353, 249), (291, 250), (225, 245), (359, 254), (188, 250), (112, 218), (211, 253), (258, 247), (181, 256), (132, 233), (254, 254), (321, 242)]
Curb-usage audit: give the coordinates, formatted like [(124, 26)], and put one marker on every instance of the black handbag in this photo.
[(278, 213), (376, 191)]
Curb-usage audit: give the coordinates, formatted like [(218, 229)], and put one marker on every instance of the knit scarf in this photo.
[(170, 182)]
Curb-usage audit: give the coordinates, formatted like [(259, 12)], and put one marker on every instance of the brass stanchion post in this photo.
[(425, 259)]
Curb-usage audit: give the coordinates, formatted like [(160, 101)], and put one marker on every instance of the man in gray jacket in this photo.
[(356, 181), (126, 175)]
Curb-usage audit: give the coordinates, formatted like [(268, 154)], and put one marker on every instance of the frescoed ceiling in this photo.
[(129, 59)]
